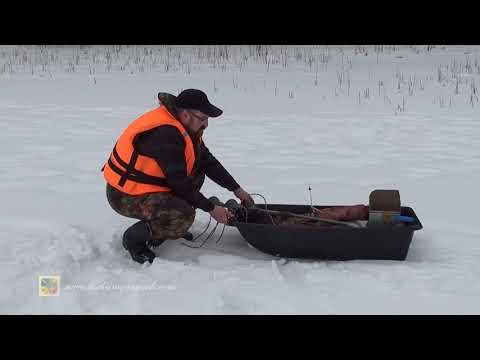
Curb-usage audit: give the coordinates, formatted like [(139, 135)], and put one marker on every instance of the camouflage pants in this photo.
[(168, 216)]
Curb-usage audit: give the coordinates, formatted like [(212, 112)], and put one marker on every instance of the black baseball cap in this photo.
[(197, 100)]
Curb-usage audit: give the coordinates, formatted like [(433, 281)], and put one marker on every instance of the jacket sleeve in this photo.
[(216, 172), (167, 146)]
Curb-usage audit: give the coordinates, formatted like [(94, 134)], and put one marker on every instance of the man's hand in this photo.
[(221, 214), (244, 197)]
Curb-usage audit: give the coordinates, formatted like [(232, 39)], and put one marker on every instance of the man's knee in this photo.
[(172, 218), (172, 224), (184, 223), (179, 209)]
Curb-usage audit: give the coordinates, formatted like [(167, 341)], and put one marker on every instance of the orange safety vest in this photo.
[(135, 174)]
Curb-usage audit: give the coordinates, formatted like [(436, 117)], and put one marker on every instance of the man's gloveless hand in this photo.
[(221, 214)]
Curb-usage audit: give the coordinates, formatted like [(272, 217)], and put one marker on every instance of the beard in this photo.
[(197, 135)]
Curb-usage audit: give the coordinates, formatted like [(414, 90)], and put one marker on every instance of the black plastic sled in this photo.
[(331, 242)]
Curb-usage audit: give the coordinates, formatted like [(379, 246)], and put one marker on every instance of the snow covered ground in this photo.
[(344, 120)]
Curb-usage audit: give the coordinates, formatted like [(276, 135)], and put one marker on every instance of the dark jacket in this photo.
[(167, 146)]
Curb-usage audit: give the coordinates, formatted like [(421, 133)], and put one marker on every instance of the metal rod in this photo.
[(307, 217)]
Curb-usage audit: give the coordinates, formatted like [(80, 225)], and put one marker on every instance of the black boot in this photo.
[(135, 241), (188, 236)]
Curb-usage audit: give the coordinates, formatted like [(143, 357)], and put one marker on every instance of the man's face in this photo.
[(196, 122)]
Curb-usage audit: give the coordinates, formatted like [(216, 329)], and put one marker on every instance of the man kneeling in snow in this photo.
[(157, 168)]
